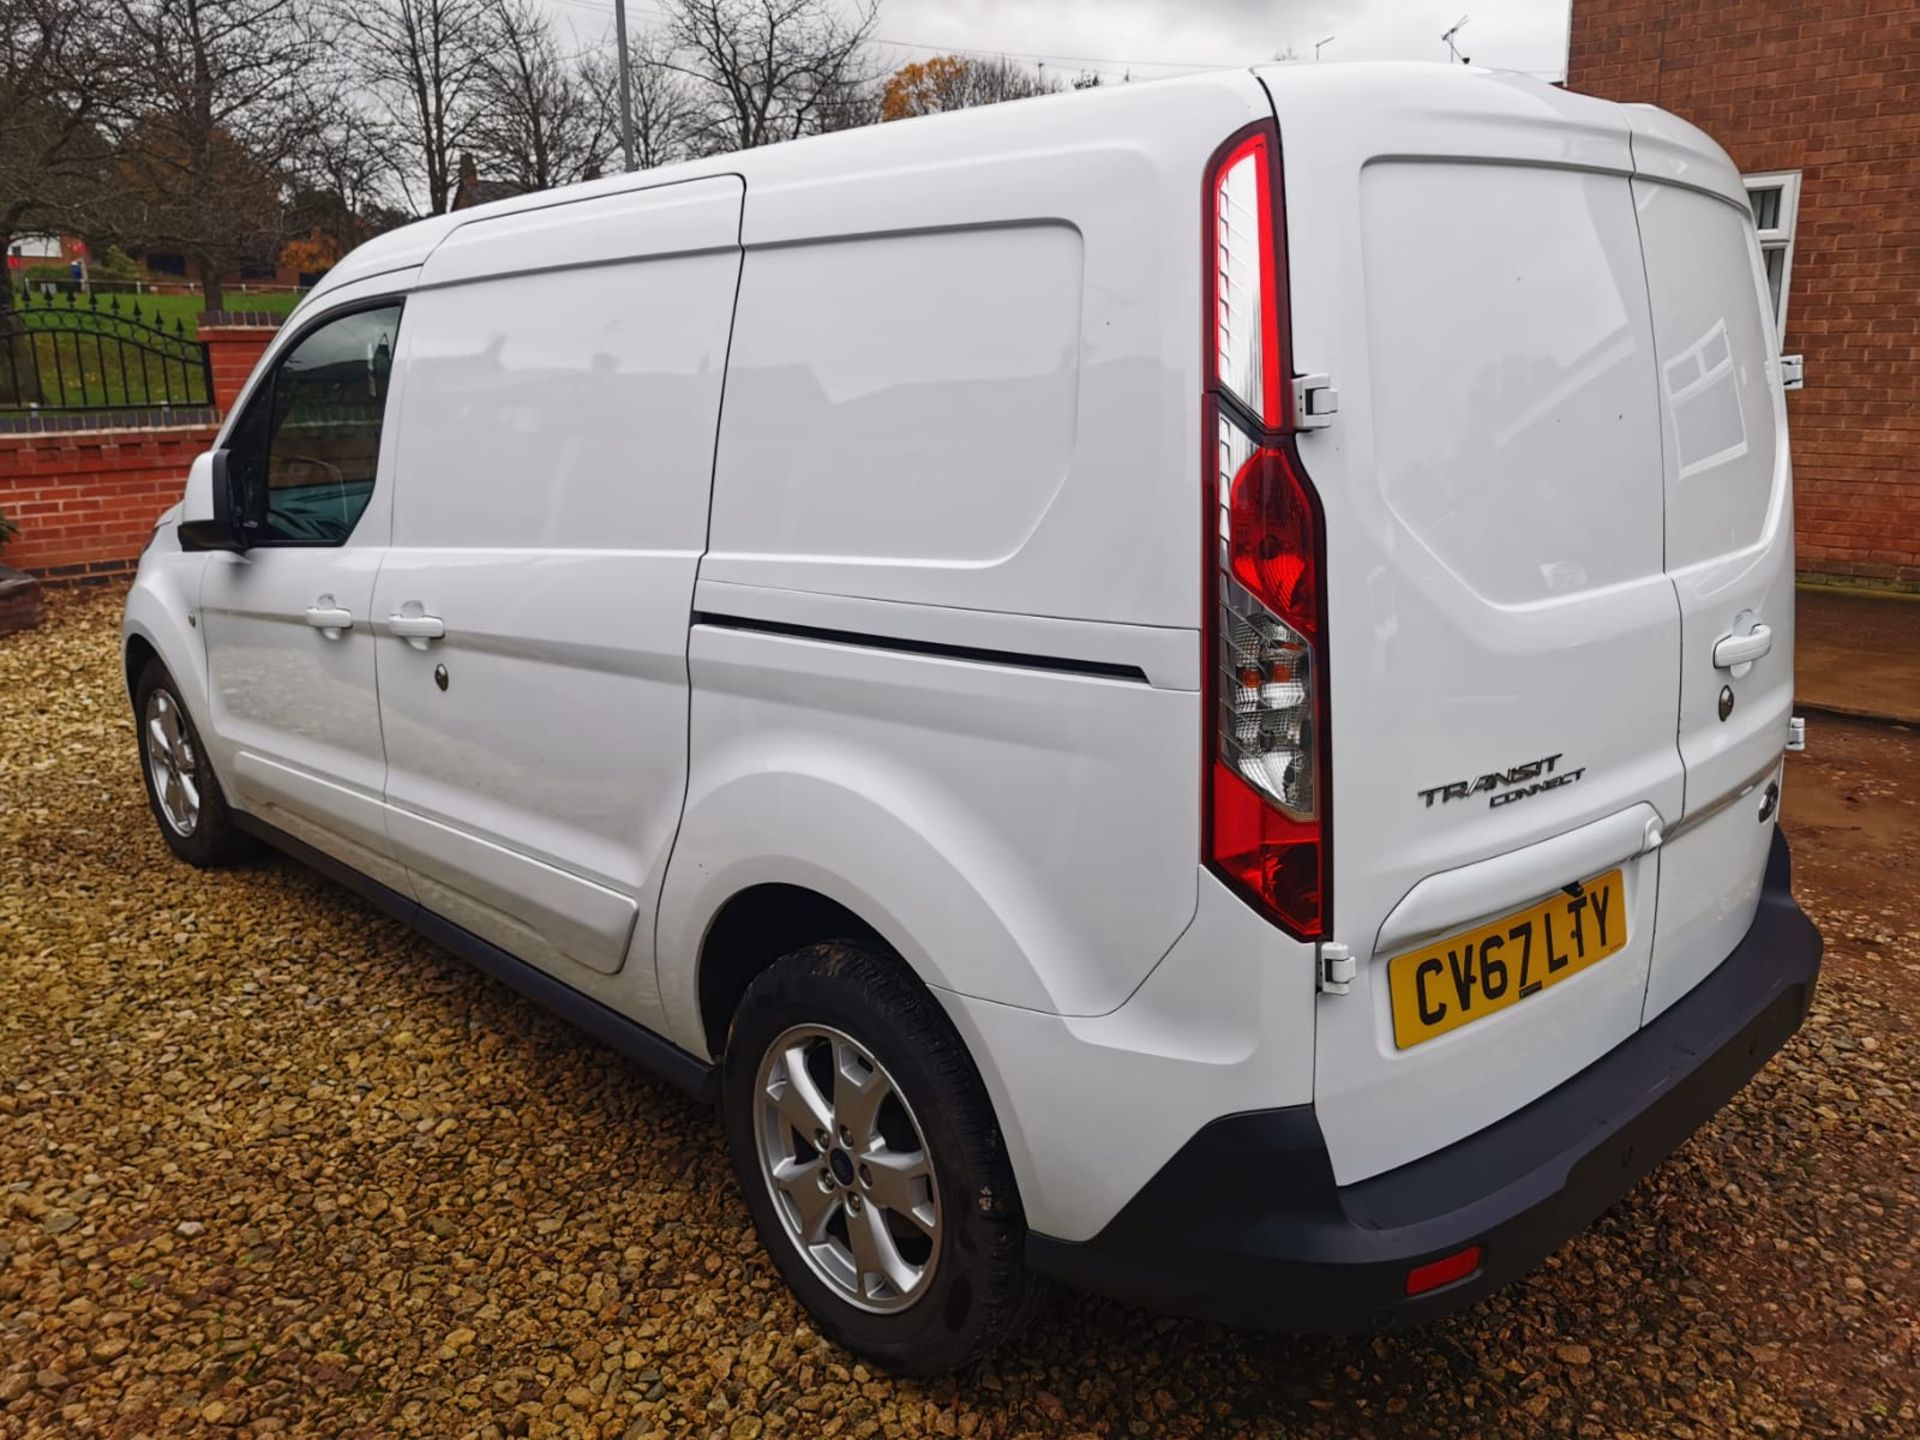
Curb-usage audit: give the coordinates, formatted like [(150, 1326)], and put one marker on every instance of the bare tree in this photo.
[(541, 121), (991, 81), (767, 70), (338, 184), (847, 102), (224, 94), (666, 116), (60, 71), (421, 64)]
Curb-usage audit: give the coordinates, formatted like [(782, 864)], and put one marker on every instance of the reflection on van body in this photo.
[(1703, 396)]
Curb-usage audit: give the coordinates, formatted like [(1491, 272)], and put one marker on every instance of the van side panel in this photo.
[(966, 369), (1015, 832), (915, 396), (963, 391)]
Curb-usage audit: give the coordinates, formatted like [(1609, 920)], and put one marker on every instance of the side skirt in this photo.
[(612, 1029)]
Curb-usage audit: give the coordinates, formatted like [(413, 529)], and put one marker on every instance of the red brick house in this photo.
[(1820, 106)]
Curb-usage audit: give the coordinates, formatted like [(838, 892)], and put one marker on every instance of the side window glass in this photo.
[(305, 454)]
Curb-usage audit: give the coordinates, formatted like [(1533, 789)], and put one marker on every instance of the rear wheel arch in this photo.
[(753, 929), (864, 1011), (763, 924)]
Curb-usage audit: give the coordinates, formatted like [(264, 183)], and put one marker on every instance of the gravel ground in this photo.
[(269, 1164)]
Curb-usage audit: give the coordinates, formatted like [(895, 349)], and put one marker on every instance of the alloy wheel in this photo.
[(848, 1168), (171, 763)]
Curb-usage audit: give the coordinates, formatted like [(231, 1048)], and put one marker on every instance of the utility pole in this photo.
[(626, 84), (1452, 51), (1319, 43)]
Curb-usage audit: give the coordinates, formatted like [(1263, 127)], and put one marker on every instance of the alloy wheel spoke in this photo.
[(171, 797), (801, 1104), (813, 1207), (169, 721), (858, 1090), (191, 793), (157, 740), (895, 1181), (874, 1251)]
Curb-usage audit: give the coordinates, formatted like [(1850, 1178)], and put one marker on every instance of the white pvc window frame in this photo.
[(1777, 238)]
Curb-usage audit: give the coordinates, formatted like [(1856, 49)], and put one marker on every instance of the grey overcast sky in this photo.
[(1151, 38)]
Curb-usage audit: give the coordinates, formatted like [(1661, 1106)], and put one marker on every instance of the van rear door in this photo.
[(1465, 268), (1729, 539)]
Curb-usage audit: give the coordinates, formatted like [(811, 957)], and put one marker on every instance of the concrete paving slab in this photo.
[(1857, 652)]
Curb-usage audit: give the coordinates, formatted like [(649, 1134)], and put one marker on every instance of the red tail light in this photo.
[(1267, 774), (1444, 1271)]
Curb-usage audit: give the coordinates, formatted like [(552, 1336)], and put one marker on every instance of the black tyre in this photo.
[(867, 1151), (186, 799)]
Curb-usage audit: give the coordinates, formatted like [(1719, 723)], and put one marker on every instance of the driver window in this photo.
[(306, 462)]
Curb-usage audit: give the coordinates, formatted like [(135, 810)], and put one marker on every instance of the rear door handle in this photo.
[(330, 620), (1736, 652), (417, 630)]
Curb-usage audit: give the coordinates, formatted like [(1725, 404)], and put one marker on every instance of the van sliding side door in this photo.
[(556, 454)]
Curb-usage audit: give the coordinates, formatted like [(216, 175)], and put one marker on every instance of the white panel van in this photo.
[(1180, 688)]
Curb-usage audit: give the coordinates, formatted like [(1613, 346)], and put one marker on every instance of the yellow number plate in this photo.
[(1464, 978)]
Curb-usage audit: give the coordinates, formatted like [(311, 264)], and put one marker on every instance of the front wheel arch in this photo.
[(139, 652)]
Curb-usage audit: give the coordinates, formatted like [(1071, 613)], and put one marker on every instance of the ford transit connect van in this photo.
[(1180, 688)]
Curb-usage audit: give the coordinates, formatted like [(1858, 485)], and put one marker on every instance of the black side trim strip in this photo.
[(612, 1029), (1063, 664)]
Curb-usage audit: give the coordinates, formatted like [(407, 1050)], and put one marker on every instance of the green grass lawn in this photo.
[(65, 369), (186, 308)]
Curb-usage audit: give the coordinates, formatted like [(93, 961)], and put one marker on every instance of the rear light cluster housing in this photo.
[(1267, 816)]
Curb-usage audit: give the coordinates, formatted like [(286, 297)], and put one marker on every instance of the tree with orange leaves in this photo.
[(954, 82), (315, 251)]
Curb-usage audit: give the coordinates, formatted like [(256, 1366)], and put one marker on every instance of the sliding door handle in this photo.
[(330, 620), (417, 630)]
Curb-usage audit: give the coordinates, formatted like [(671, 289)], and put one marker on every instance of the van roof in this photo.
[(980, 133)]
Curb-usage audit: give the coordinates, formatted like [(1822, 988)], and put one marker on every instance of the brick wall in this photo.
[(86, 500), (1833, 91), (235, 345)]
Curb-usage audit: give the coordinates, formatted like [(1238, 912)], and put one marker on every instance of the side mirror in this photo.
[(207, 517)]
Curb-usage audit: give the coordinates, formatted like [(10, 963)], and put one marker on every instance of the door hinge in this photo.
[(1793, 372), (1315, 402), (1337, 968), (1797, 734)]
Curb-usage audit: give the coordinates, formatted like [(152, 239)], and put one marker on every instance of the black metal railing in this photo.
[(77, 352)]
